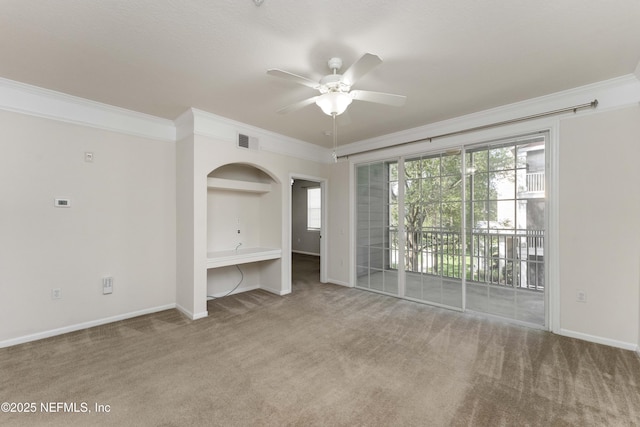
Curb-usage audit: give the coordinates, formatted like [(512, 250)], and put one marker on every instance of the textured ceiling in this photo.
[(448, 57)]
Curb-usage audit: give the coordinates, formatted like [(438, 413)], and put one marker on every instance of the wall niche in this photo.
[(244, 236)]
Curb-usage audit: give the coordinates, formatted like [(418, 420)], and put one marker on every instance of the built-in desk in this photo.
[(241, 256)]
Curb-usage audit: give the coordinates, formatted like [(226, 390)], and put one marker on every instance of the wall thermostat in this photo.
[(62, 203)]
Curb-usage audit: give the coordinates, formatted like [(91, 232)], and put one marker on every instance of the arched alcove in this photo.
[(244, 230)]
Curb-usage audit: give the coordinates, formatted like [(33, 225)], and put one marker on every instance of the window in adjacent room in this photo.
[(313, 208)]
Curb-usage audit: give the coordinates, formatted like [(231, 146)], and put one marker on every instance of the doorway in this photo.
[(307, 227)]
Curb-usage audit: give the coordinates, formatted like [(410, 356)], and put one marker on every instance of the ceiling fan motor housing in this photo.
[(333, 83)]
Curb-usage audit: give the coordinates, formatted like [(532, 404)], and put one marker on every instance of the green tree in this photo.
[(433, 202)]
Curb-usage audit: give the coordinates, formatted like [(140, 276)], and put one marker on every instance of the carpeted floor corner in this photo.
[(327, 356)]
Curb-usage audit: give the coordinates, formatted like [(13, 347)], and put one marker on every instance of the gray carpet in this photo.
[(324, 355)]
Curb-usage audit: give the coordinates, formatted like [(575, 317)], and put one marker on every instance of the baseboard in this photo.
[(339, 282), (191, 315), (598, 340), (305, 253), (278, 292), (79, 326)]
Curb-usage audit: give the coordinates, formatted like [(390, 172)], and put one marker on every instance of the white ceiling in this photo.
[(448, 57)]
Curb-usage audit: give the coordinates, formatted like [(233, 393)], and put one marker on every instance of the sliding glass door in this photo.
[(377, 227), (463, 229), (433, 229), (505, 229)]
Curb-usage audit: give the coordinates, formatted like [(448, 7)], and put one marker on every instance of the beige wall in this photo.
[(121, 223), (338, 223), (599, 225)]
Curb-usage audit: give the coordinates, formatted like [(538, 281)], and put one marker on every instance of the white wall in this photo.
[(121, 223), (302, 239), (340, 253), (600, 225)]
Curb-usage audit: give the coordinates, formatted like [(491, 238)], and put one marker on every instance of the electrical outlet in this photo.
[(107, 285), (56, 293), (581, 296)]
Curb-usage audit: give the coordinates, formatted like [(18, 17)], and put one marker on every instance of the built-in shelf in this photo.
[(238, 185), (242, 256)]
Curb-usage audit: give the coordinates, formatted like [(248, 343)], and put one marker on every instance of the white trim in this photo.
[(85, 325), (339, 283), (614, 93), (598, 340), (277, 291), (35, 101), (190, 314)]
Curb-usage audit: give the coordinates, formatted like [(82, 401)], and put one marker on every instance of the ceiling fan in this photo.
[(335, 89)]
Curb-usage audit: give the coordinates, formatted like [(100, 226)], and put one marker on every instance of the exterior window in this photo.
[(314, 204)]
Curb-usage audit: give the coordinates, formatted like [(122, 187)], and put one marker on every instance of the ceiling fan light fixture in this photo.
[(334, 103)]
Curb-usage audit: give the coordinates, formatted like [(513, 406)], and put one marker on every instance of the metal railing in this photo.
[(513, 258)]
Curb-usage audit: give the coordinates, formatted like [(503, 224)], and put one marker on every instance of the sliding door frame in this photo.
[(548, 126)]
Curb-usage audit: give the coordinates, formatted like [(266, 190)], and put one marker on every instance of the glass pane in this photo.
[(393, 171), (502, 185), (393, 215), (506, 215), (362, 175), (477, 161), (451, 164), (505, 240), (451, 187), (430, 189), (430, 167), (433, 222), (377, 222), (501, 158), (413, 169), (432, 215), (480, 185), (393, 191)]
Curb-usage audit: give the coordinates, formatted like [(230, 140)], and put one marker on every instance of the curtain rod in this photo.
[(575, 108)]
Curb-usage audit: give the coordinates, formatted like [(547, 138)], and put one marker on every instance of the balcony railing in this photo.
[(513, 258), (535, 182)]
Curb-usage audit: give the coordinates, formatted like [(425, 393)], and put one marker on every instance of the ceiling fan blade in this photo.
[(293, 77), (361, 67), (298, 105), (378, 97)]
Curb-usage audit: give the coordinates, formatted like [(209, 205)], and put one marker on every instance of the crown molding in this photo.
[(36, 101), (202, 123), (614, 93)]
